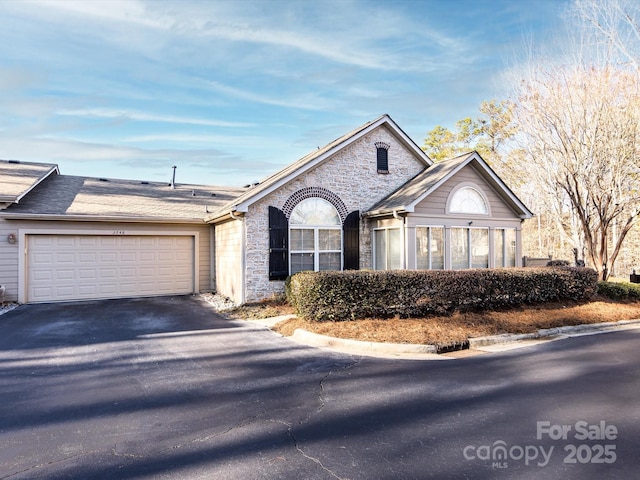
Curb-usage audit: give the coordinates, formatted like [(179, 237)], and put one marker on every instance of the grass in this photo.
[(453, 330)]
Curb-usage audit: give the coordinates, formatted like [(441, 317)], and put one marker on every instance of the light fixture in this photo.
[(11, 238)]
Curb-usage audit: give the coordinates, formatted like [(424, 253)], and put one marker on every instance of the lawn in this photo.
[(453, 330)]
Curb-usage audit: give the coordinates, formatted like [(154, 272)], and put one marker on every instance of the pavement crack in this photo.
[(313, 459)]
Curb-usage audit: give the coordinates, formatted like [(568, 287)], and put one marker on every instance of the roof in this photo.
[(426, 182), (84, 198), (311, 160), (18, 178)]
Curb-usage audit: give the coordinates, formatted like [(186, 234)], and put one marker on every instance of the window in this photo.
[(468, 200), (315, 236), (430, 248), (469, 248), (382, 153), (387, 249), (505, 247)]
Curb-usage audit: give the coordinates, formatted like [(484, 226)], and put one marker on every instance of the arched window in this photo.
[(315, 236), (468, 200)]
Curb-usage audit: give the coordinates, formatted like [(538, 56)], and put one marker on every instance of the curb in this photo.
[(317, 340), (553, 332), (398, 349), (431, 351)]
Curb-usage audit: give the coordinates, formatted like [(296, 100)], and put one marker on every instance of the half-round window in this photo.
[(314, 211), (468, 200)]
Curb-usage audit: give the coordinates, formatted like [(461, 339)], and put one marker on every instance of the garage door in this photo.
[(82, 267)]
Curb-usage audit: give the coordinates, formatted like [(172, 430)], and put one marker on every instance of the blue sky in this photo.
[(232, 91)]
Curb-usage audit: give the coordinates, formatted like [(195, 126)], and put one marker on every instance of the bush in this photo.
[(558, 263), (619, 290), (322, 296)]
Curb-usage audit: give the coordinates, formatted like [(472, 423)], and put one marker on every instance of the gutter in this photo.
[(108, 218), (385, 213)]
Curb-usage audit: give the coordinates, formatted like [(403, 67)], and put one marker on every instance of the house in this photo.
[(372, 199)]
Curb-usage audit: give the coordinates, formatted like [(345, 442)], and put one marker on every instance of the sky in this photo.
[(232, 91)]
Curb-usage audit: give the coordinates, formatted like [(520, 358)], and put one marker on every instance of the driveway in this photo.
[(165, 388)]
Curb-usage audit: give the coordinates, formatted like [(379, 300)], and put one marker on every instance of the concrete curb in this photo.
[(406, 350), (324, 341), (554, 332)]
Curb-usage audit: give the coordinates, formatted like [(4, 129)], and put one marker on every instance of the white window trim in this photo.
[(316, 244), (475, 187)]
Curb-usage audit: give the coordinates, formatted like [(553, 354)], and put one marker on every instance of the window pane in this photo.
[(468, 200), (459, 248), (381, 249), (499, 248), (480, 248), (329, 239), (314, 211), (510, 241), (301, 262), (329, 261), (394, 253), (422, 248), (437, 248), (302, 239)]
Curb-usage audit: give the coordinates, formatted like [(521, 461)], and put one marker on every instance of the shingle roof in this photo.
[(422, 185), (71, 196), (17, 178), (311, 159)]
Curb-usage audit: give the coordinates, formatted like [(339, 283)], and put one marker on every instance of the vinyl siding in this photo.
[(229, 267), (436, 202)]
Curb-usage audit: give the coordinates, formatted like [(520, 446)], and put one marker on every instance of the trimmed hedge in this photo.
[(349, 295), (619, 290)]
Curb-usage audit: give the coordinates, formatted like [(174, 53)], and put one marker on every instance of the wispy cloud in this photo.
[(148, 117)]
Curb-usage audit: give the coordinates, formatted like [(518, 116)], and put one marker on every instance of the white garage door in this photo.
[(82, 267)]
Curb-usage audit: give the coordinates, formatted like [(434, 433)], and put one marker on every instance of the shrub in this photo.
[(558, 263), (619, 290), (334, 295)]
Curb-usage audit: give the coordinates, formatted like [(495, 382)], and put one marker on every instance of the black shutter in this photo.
[(278, 245), (383, 160), (351, 229)]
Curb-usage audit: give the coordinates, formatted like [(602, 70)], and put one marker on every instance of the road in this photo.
[(164, 388)]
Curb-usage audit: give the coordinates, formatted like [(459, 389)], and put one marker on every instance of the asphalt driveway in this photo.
[(165, 388)]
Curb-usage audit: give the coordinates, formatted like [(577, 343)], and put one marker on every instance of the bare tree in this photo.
[(580, 129), (612, 27)]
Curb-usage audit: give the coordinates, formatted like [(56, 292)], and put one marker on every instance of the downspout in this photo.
[(233, 215)]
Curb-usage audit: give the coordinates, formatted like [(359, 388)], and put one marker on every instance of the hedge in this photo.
[(619, 290), (335, 295)]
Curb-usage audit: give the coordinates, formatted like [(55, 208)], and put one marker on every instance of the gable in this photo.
[(436, 203), (350, 146), (351, 174), (432, 179)]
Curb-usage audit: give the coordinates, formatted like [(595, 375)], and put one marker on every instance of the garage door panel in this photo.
[(62, 274), (76, 267)]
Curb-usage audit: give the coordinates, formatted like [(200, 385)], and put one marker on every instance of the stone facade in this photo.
[(351, 175)]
